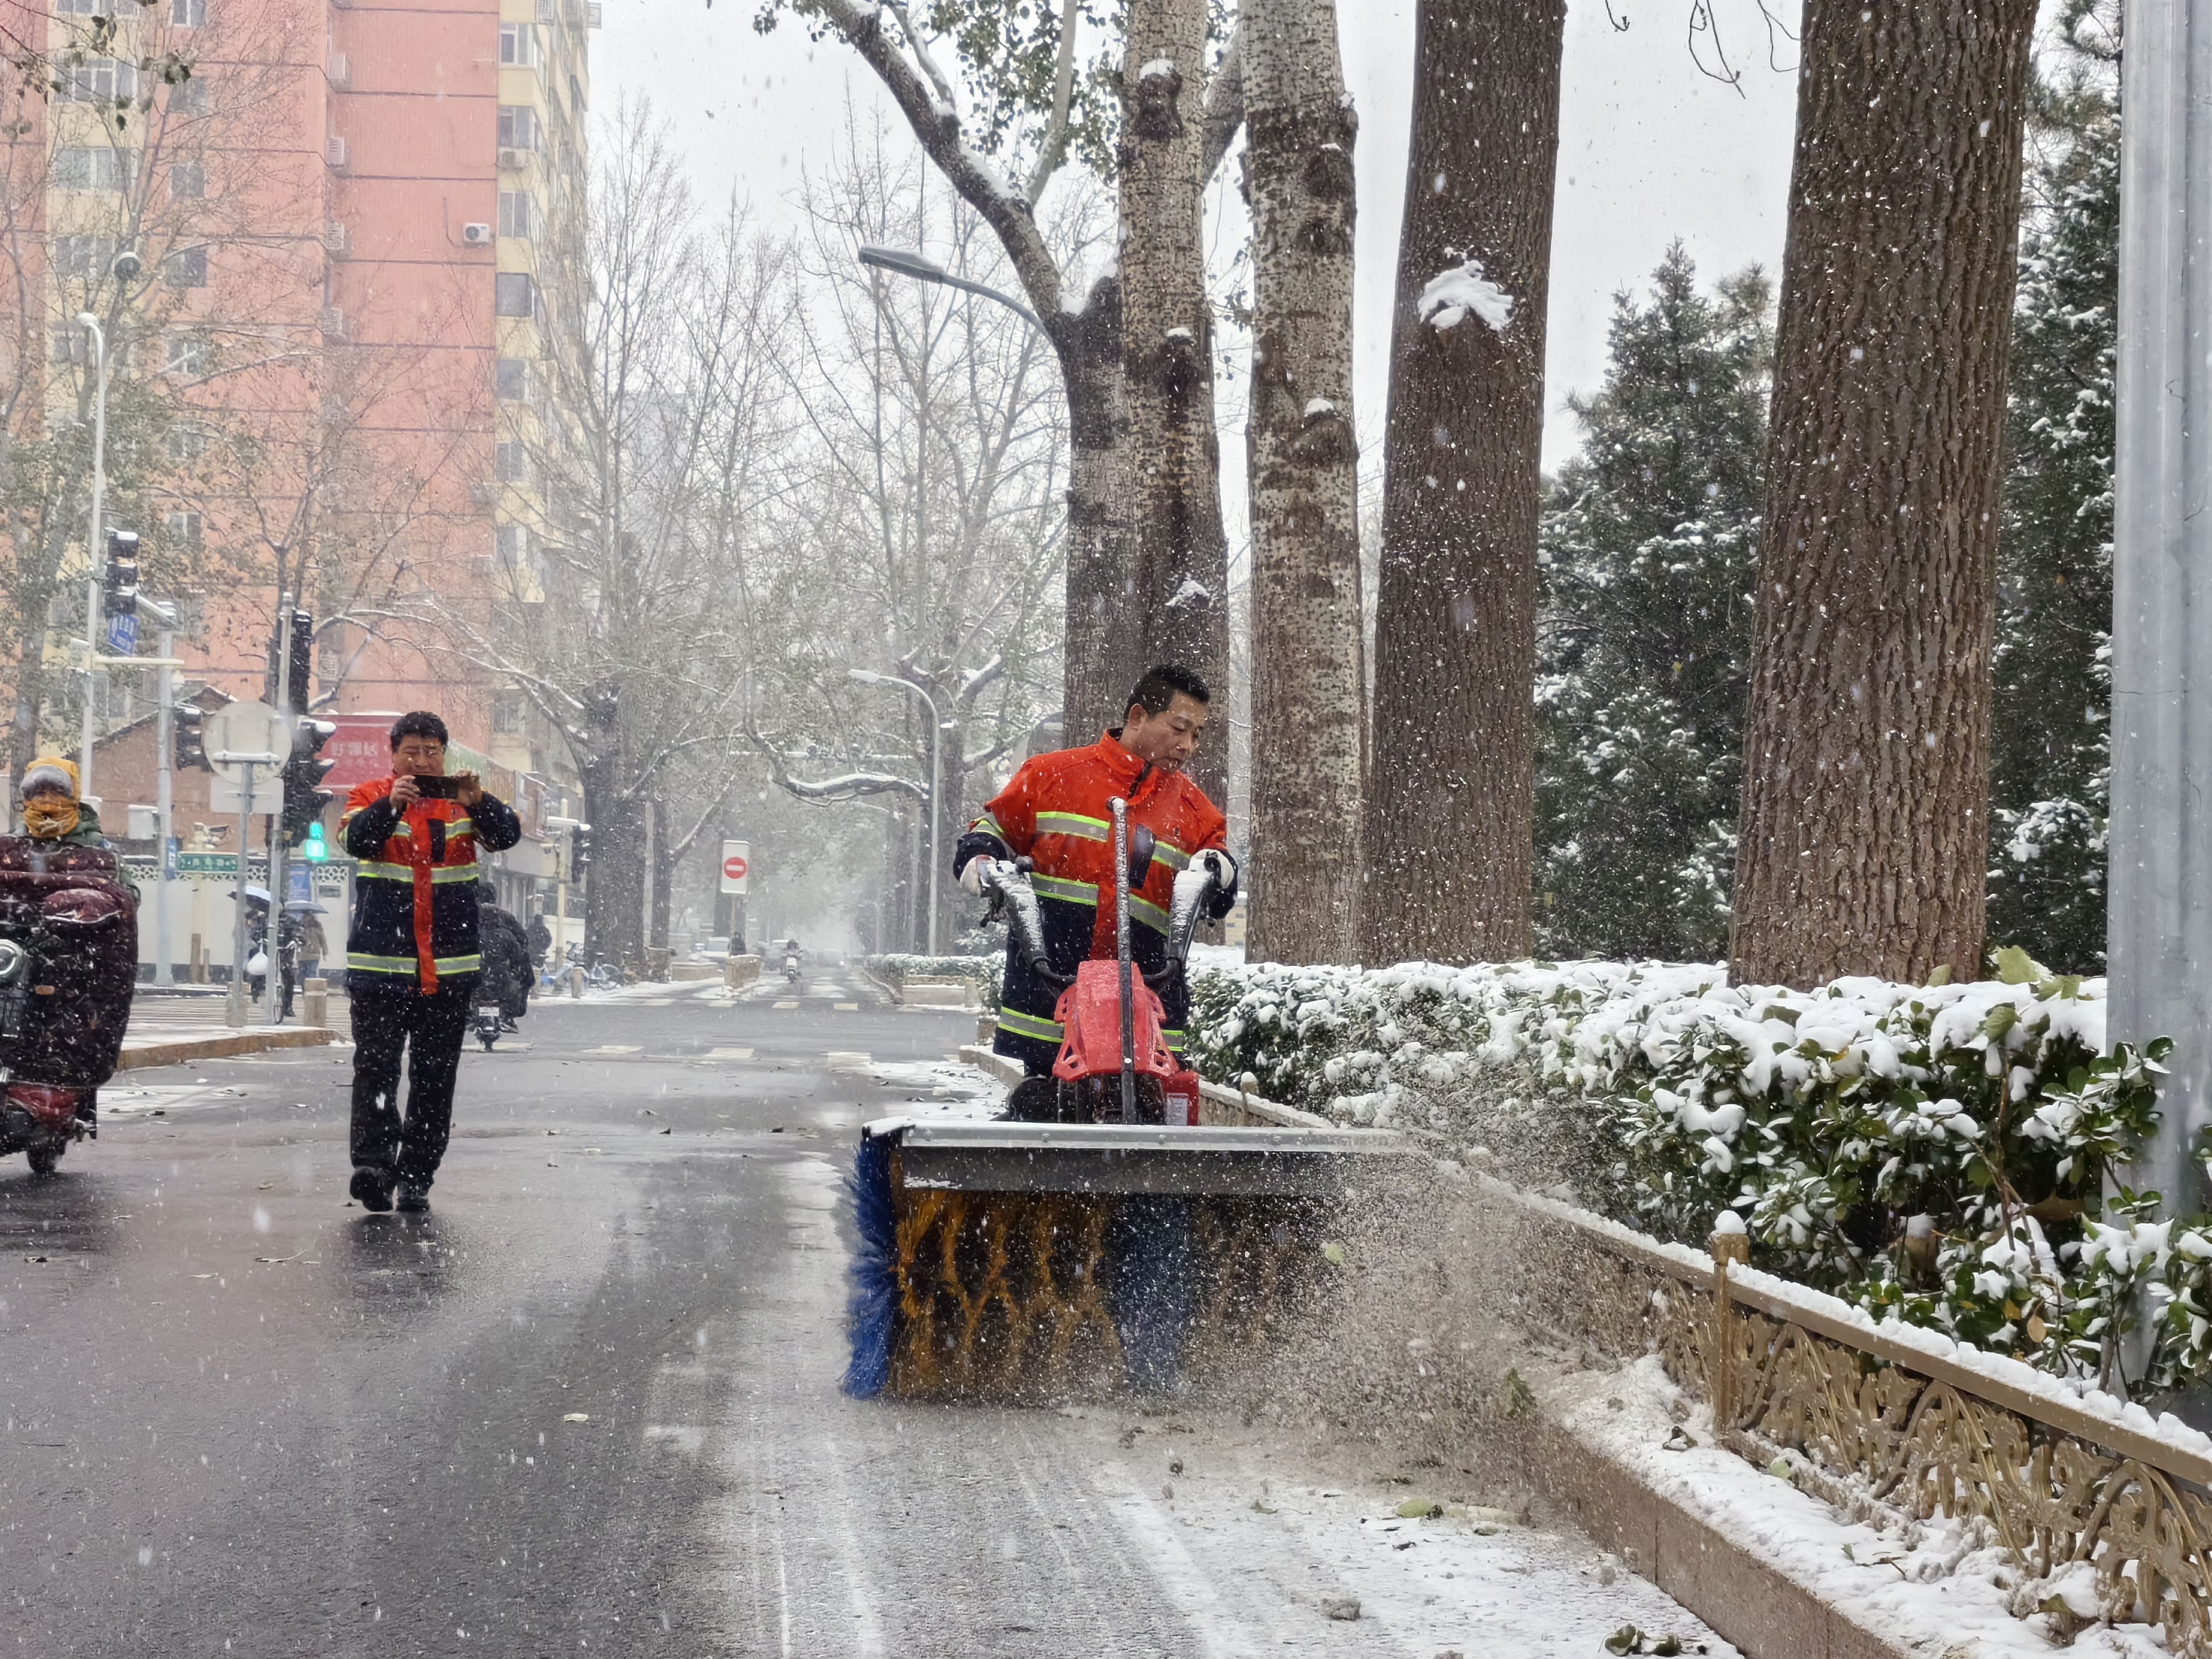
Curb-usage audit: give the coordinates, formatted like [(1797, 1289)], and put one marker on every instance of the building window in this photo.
[(188, 354), (186, 267), (518, 127), (104, 80), (98, 167), (518, 45), (185, 529), (511, 293), (187, 181), (80, 8), (512, 541), (188, 13), (186, 443), (68, 344), (191, 96), (83, 258), (510, 380), (506, 714), (518, 213), (511, 462)]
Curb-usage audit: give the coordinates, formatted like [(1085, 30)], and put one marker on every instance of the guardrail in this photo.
[(1893, 1415)]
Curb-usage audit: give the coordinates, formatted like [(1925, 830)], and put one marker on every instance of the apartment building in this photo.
[(355, 229)]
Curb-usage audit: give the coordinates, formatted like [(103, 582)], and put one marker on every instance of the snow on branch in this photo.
[(1452, 294), (851, 785)]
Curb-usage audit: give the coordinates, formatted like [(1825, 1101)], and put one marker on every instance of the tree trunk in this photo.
[(665, 860), (1307, 699), (1865, 832), (1182, 563), (1451, 805), (1100, 646), (614, 887)]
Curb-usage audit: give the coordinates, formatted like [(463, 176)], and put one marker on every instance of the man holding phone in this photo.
[(413, 954)]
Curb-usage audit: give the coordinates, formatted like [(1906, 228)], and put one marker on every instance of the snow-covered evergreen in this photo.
[(1649, 538), (2050, 752)]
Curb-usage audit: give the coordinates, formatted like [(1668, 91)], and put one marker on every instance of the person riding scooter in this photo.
[(1055, 812), (507, 970)]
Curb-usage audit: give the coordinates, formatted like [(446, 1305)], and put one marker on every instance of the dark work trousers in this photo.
[(388, 1014)]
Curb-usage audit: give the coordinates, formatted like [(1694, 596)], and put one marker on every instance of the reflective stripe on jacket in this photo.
[(1054, 812), (414, 895)]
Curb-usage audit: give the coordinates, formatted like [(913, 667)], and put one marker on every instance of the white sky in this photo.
[(1650, 150)]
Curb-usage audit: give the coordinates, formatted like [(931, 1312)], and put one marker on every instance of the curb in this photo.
[(138, 1056), (1764, 1612)]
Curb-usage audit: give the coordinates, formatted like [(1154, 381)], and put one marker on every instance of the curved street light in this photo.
[(901, 262)]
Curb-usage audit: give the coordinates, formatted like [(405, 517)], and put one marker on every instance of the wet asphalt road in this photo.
[(589, 1404)]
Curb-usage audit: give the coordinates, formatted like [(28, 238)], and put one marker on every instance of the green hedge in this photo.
[(1938, 1154)]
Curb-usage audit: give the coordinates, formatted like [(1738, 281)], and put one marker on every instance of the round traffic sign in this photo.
[(735, 867)]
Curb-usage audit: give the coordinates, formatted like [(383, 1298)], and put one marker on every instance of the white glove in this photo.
[(972, 874), (1220, 866)]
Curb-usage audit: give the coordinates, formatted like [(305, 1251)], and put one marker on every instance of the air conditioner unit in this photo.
[(338, 69), (337, 241), (332, 321), (477, 235), (335, 152), (592, 15), (513, 160)]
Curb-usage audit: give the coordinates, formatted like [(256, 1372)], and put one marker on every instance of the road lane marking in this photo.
[(614, 1049), (786, 1004), (650, 1002), (848, 1007), (846, 1057), (729, 1053)]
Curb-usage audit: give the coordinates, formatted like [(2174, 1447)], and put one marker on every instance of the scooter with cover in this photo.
[(69, 964)]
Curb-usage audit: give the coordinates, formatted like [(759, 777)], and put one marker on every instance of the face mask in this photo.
[(45, 817)]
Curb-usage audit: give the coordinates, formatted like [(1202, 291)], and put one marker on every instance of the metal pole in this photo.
[(936, 806), (98, 554), (234, 1008), (273, 986), (2160, 900), (165, 737), (1120, 809)]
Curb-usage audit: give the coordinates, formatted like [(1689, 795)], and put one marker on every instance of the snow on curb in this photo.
[(1938, 1586)]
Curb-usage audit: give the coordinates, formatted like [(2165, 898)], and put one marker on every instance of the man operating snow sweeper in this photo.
[(1056, 812)]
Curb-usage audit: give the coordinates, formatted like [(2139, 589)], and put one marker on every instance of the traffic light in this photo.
[(300, 675), (315, 849), (119, 586), (119, 597), (304, 796), (579, 852), (187, 742)]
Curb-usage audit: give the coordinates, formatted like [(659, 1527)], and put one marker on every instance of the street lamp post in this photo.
[(869, 676), (96, 554)]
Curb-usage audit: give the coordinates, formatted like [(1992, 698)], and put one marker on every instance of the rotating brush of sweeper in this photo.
[(1117, 1245)]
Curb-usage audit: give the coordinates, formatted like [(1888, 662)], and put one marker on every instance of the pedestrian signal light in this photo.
[(187, 746), (304, 796), (315, 849)]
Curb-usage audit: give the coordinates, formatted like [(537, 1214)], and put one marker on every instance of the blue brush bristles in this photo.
[(1148, 1250), (871, 1309)]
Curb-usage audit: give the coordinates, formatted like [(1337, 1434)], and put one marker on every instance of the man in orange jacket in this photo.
[(1054, 812)]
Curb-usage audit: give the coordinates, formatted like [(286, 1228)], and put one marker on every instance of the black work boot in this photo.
[(415, 1196), (371, 1189)]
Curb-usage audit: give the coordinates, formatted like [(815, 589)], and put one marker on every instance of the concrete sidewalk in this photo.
[(174, 1031)]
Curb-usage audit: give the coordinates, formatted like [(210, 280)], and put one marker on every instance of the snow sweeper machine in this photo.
[(1119, 1228)]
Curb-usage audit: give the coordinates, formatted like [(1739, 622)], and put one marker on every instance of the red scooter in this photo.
[(1114, 1065), (68, 964)]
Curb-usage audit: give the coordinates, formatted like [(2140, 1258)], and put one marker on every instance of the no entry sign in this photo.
[(736, 864)]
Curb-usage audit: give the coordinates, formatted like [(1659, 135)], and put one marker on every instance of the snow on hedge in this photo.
[(898, 968), (1936, 1154)]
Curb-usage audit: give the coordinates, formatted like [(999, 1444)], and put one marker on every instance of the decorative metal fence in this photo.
[(1907, 1419)]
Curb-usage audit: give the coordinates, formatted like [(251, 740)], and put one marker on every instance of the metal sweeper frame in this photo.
[(1037, 1260)]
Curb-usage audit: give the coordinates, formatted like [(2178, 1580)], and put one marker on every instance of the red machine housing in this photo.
[(1089, 1015)]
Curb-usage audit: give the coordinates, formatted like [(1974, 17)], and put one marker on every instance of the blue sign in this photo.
[(298, 883), (169, 850), (123, 635)]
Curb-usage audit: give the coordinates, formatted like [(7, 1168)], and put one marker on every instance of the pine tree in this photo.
[(2050, 757), (1650, 543)]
